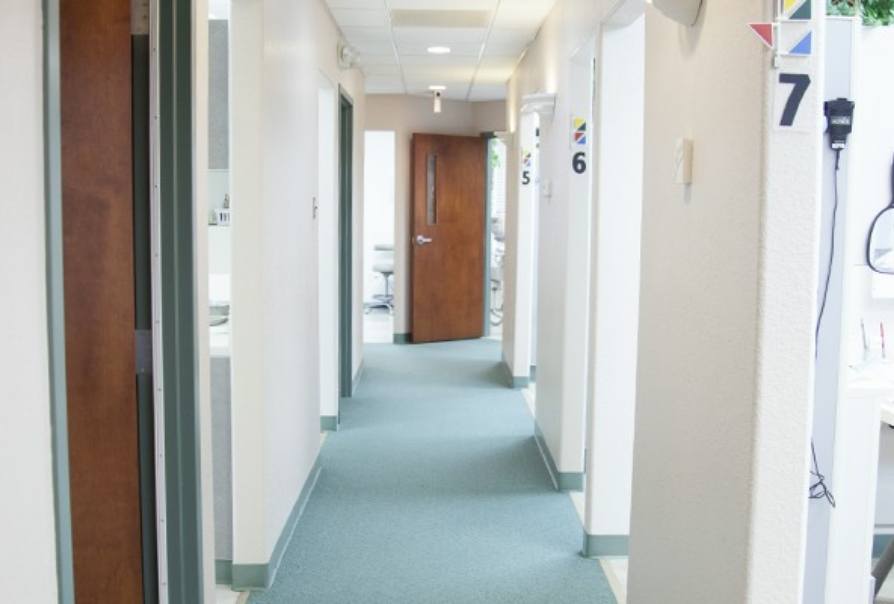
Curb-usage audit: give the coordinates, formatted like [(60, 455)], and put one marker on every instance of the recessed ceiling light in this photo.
[(439, 50), (437, 88)]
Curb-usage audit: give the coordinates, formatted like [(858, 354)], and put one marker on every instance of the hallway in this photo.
[(434, 491)]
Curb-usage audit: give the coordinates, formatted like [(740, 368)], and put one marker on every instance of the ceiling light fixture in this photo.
[(437, 88), (437, 101), (439, 50)]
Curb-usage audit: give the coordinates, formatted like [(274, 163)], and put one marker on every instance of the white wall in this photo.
[(724, 376), (279, 48), (378, 206), (200, 108), (327, 244), (520, 249), (27, 548), (406, 115), (563, 237), (274, 321), (615, 277)]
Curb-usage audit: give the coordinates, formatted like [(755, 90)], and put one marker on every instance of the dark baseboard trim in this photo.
[(563, 481), (357, 377), (598, 546), (879, 543), (247, 577), (516, 382), (329, 423), (401, 338), (223, 572)]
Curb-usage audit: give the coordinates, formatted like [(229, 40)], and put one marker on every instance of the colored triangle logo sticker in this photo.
[(803, 13), (804, 47), (797, 10), (764, 31)]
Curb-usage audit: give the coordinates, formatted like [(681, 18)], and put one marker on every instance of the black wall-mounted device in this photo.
[(840, 119)]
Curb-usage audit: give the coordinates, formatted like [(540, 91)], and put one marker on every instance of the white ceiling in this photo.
[(486, 37)]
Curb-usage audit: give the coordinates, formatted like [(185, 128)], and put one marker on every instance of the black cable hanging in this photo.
[(818, 488)]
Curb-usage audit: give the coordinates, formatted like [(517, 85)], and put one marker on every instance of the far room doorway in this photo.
[(378, 237), (496, 236), (448, 227)]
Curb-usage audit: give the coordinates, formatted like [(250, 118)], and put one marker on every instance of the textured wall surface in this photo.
[(727, 300)]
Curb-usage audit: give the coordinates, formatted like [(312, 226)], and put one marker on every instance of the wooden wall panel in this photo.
[(97, 197)]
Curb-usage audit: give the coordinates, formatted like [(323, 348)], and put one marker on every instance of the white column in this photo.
[(275, 364), (614, 293), (727, 307), (524, 246)]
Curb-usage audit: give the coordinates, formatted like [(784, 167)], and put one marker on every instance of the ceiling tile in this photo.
[(377, 34), (382, 70), (377, 59), (384, 85), (442, 4), (467, 49), (522, 13), (509, 41), (423, 37), (356, 4), (378, 48), (496, 70), (435, 61), (488, 93), (360, 17), (452, 18)]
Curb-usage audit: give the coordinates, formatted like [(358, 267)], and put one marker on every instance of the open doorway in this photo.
[(378, 237), (122, 260), (520, 351), (496, 237)]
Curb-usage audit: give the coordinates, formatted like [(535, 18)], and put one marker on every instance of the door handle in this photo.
[(423, 240)]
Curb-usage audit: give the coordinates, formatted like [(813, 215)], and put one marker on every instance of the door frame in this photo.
[(345, 243), (328, 233), (56, 301), (488, 208), (175, 351)]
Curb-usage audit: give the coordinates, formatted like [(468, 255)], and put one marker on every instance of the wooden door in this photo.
[(97, 214), (448, 229)]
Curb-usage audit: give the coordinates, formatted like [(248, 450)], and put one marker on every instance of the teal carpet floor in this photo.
[(433, 491)]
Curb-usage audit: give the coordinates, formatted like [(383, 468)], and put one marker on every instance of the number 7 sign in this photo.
[(790, 92)]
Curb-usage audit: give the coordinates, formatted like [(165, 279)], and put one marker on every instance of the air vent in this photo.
[(441, 18)]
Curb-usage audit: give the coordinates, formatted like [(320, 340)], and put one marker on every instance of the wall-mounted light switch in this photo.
[(683, 161)]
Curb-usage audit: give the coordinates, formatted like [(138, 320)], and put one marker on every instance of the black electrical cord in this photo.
[(825, 296), (818, 488)]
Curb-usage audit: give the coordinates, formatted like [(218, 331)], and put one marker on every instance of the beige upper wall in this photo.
[(406, 115)]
